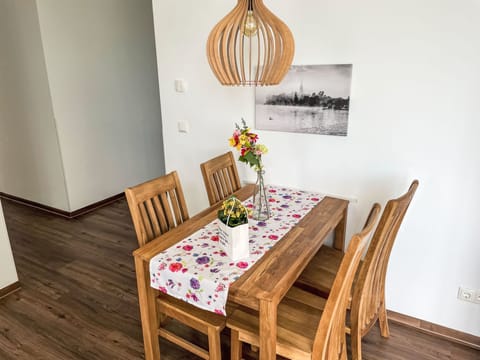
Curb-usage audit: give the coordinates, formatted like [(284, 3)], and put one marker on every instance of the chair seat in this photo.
[(298, 316), (320, 273)]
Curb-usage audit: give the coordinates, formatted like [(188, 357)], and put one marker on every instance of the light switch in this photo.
[(180, 85), (183, 126)]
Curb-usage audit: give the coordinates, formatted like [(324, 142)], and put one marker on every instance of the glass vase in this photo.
[(260, 201)]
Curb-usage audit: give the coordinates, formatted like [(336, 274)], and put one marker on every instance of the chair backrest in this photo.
[(156, 206), (221, 177), (330, 338), (369, 292)]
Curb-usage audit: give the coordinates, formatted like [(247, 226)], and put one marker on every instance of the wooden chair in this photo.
[(308, 326), (368, 299), (221, 177), (157, 206)]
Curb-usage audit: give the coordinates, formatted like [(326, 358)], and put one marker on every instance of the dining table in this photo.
[(264, 284)]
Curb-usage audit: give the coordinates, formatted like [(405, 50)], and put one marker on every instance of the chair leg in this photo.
[(214, 345), (356, 342), (344, 351), (383, 321), (235, 345)]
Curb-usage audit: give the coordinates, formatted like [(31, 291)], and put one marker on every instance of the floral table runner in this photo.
[(199, 272)]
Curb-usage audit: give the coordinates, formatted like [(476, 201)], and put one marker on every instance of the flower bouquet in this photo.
[(233, 228), (245, 141), (251, 153)]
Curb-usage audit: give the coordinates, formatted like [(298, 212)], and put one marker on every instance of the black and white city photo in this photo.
[(311, 99)]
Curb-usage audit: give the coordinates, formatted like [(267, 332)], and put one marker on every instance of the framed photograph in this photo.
[(312, 99)]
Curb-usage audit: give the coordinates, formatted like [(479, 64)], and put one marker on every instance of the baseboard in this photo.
[(10, 289), (434, 329), (96, 205), (63, 213)]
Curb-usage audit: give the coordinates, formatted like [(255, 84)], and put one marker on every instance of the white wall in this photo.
[(413, 114), (30, 162), (100, 59), (79, 104), (8, 274)]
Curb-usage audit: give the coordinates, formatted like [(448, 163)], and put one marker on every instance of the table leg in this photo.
[(268, 330), (340, 230), (148, 311)]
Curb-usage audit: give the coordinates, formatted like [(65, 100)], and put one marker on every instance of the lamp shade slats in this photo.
[(214, 54), (229, 38), (232, 49), (250, 46)]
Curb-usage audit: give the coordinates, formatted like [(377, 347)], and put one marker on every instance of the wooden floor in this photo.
[(79, 298)]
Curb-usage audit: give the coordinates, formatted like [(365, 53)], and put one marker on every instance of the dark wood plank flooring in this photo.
[(79, 297)]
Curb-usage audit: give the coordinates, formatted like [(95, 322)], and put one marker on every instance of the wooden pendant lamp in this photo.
[(250, 46)]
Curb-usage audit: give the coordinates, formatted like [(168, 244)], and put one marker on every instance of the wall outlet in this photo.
[(466, 294)]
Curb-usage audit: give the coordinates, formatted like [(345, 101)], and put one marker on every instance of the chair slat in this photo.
[(217, 189), (175, 207), (147, 226), (153, 217), (220, 176), (161, 214), (165, 201), (224, 182), (231, 179)]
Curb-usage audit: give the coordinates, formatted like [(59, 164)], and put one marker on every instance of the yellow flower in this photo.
[(262, 148), (243, 139), (231, 141)]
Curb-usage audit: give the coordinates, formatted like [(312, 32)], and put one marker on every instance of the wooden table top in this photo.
[(277, 270)]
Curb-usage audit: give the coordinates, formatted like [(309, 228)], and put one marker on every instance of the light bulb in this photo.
[(250, 25)]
